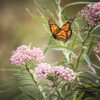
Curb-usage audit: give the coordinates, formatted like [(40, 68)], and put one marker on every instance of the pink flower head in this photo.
[(24, 54), (96, 49), (65, 73), (91, 14), (17, 59), (37, 54), (43, 70)]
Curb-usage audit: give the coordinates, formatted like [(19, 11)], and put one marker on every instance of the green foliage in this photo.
[(77, 55)]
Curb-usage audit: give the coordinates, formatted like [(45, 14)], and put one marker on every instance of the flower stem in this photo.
[(59, 12), (82, 50), (72, 48), (34, 81), (57, 91), (90, 45)]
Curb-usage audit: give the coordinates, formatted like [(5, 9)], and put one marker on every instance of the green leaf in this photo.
[(63, 89), (87, 84), (96, 42), (87, 59), (66, 50), (38, 6), (98, 57), (80, 96), (3, 89), (28, 94), (98, 67), (15, 80), (49, 43), (76, 3), (96, 36), (18, 96), (12, 70), (75, 95), (96, 30), (90, 73), (36, 17), (87, 78)]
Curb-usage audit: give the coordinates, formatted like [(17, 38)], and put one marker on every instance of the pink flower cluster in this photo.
[(66, 74), (91, 13), (24, 54), (44, 70), (96, 49)]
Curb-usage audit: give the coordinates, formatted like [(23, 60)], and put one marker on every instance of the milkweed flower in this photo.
[(37, 54), (96, 48), (91, 14), (43, 70), (24, 54), (66, 74)]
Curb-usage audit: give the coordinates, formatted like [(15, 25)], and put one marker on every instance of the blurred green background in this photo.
[(17, 27)]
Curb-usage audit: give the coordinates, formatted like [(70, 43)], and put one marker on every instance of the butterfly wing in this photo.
[(67, 28), (53, 27), (68, 24), (61, 35)]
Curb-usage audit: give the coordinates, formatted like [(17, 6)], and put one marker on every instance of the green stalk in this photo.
[(57, 91), (34, 81), (82, 50), (59, 12), (49, 43), (74, 41), (90, 45), (66, 95)]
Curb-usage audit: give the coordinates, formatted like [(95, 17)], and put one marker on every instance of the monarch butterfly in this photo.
[(62, 33)]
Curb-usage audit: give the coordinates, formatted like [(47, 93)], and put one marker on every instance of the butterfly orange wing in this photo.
[(67, 28), (65, 31), (63, 35), (53, 27), (68, 24)]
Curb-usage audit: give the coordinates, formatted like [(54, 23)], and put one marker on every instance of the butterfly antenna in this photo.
[(65, 18), (71, 20)]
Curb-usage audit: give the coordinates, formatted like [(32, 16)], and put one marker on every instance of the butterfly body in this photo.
[(62, 33)]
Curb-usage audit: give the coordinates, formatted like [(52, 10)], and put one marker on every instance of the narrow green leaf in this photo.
[(87, 84), (36, 17), (98, 57), (15, 87), (76, 3), (80, 96), (16, 70), (18, 96), (96, 36), (87, 78), (67, 49), (98, 67), (28, 94), (87, 59), (96, 42), (63, 89), (75, 95), (95, 28)]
